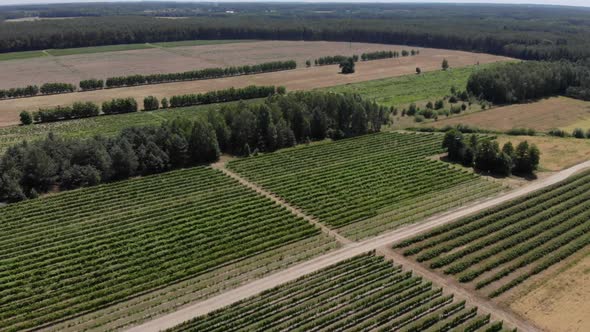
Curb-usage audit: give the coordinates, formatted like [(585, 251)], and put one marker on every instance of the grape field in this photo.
[(500, 248), (367, 185), (365, 293), (76, 252)]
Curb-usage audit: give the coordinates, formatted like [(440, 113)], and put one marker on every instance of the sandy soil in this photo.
[(556, 153), (298, 79), (73, 68), (542, 115), (562, 303)]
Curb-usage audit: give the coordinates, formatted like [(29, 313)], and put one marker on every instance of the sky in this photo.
[(585, 3)]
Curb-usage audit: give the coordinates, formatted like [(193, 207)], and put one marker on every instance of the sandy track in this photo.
[(298, 79), (351, 250)]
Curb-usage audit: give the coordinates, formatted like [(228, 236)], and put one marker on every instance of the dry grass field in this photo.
[(560, 303), (556, 153), (73, 68), (299, 79), (543, 115)]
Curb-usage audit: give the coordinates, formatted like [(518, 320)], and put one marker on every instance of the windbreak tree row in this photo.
[(201, 74), (129, 105), (33, 90), (29, 169)]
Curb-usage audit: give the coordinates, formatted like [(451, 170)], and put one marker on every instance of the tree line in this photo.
[(485, 155), (33, 90), (31, 168), (133, 80), (338, 59), (524, 81), (128, 105)]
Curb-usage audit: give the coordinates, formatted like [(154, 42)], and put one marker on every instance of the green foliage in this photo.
[(347, 66), (579, 133), (150, 103), (91, 84), (53, 88), (119, 106), (445, 64), (26, 118)]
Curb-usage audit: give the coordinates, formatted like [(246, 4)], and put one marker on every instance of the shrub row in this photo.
[(220, 96), (129, 105), (33, 90), (387, 54), (208, 73)]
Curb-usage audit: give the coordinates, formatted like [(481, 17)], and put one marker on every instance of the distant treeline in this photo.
[(128, 105), (524, 81), (560, 34), (133, 80), (32, 168), (337, 59)]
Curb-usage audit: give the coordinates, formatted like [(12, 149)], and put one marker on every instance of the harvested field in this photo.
[(299, 79), (542, 115), (556, 153), (562, 303)]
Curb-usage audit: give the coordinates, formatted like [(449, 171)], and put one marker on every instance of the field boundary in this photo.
[(349, 251)]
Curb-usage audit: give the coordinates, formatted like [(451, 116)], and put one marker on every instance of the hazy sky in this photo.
[(585, 3)]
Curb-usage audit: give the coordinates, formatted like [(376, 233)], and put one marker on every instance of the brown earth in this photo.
[(541, 115), (298, 79), (556, 153), (73, 68), (561, 303)]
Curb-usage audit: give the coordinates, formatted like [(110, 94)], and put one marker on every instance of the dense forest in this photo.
[(525, 81), (32, 168), (527, 32)]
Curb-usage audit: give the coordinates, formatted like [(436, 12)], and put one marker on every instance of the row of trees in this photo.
[(201, 74), (485, 154), (523, 81), (33, 90), (331, 60), (29, 169), (91, 84), (337, 59), (220, 96)]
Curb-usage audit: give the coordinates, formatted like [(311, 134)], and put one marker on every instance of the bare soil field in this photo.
[(560, 303), (73, 68), (299, 79), (556, 153), (542, 115)]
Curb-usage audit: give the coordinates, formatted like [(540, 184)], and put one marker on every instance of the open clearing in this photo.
[(557, 153), (562, 303), (73, 68), (298, 79), (543, 115)]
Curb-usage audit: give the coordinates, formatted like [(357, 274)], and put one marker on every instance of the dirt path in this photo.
[(221, 166), (451, 286), (353, 249)]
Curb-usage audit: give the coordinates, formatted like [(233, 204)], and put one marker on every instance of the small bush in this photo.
[(150, 103), (578, 133), (26, 118)]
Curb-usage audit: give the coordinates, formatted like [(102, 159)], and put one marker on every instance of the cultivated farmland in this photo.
[(82, 251), (361, 294), (503, 247), (366, 185)]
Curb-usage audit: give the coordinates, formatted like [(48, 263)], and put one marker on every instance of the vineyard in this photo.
[(500, 248), (369, 184), (81, 251), (365, 293)]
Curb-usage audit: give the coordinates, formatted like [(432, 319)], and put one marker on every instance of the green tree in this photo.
[(445, 64), (486, 156), (418, 71), (347, 66), (203, 145), (453, 142), (26, 118)]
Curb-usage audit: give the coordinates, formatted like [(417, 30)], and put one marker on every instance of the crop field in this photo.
[(543, 115), (77, 252), (73, 65), (396, 91), (497, 250), (102, 125), (298, 79), (366, 185), (365, 293)]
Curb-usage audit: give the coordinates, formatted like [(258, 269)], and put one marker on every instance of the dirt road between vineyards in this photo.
[(351, 250), (297, 79)]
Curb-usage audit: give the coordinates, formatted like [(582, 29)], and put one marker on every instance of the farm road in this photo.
[(356, 248)]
